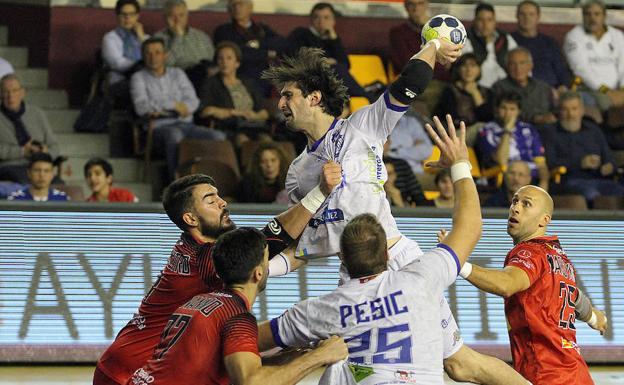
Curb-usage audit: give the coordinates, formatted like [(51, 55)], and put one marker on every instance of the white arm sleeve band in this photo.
[(279, 265)]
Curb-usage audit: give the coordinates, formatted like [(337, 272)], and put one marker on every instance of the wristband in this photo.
[(461, 170), (279, 265), (592, 320), (465, 270), (313, 200)]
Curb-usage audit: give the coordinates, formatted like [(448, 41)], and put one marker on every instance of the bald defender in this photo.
[(542, 301)]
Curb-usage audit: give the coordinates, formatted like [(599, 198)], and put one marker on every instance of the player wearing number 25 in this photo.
[(389, 319), (542, 300)]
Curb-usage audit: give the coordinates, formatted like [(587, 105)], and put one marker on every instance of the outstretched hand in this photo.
[(448, 52), (601, 323), (453, 148), (441, 235)]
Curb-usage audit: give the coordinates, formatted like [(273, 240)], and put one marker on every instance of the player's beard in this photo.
[(212, 231)]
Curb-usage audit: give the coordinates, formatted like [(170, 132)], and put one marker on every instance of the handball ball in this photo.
[(445, 27)]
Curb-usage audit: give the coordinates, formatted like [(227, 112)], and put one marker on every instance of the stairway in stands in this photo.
[(78, 147)]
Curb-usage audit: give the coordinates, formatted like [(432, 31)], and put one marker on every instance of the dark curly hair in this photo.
[(311, 71)]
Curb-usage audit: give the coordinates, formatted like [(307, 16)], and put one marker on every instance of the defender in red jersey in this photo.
[(213, 338), (542, 300), (194, 205)]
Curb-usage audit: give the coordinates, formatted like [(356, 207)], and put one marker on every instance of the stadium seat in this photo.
[(357, 102), (74, 192), (431, 195), (248, 148), (572, 202), (224, 175), (609, 202), (367, 69), (392, 73), (193, 151)]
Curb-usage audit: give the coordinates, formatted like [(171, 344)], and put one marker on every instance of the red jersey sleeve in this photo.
[(240, 334), (527, 258)]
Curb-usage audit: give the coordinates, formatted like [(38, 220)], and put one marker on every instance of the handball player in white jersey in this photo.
[(391, 319), (312, 98)]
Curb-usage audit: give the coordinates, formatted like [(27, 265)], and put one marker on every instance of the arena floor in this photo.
[(81, 375)]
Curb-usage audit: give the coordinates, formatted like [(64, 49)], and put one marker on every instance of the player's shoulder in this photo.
[(577, 32)]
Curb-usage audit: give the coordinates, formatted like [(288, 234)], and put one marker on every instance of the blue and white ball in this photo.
[(445, 27)]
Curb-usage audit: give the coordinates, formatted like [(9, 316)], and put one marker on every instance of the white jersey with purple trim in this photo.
[(357, 144), (391, 322)]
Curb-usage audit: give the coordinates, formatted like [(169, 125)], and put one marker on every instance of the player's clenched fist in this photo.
[(331, 176), (332, 350)]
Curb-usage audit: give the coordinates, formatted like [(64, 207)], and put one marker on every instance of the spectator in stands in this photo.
[(508, 138), (551, 67), (99, 175), (518, 174), (537, 96), (402, 187), (40, 175), (266, 175), (595, 52), (405, 39), (443, 181), (322, 34), (410, 142), (464, 99), (5, 68), (489, 44), (24, 130), (187, 47), (579, 145), (166, 96), (258, 42), (121, 47), (230, 103)]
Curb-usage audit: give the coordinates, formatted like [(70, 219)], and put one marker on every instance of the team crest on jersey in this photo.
[(406, 376), (566, 344)]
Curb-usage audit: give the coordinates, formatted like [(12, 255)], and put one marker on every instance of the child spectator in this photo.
[(40, 173), (99, 175), (445, 185)]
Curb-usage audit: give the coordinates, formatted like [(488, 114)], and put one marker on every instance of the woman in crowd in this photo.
[(266, 175), (230, 103), (464, 98), (99, 175)]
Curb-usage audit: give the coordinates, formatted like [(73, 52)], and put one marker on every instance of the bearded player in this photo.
[(194, 205)]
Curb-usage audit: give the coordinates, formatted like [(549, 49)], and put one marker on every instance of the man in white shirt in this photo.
[(489, 44), (312, 98), (595, 53), (391, 319)]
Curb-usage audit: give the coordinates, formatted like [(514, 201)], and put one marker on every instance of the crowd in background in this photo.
[(537, 112)]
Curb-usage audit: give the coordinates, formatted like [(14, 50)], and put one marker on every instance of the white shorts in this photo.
[(401, 254)]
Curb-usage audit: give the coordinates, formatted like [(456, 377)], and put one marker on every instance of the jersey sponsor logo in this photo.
[(558, 265), (446, 322), (374, 310), (274, 227), (527, 264), (524, 254), (328, 216), (405, 376), (138, 321), (142, 377), (179, 263), (338, 140), (374, 164)]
